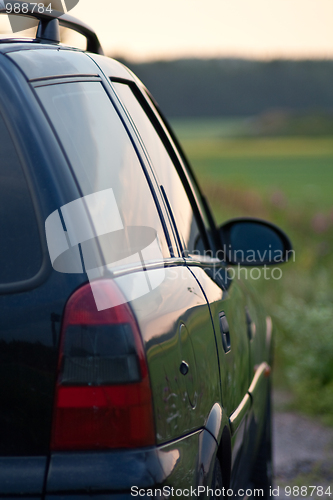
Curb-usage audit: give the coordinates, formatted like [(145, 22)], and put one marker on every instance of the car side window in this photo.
[(168, 177), (103, 158), (20, 249)]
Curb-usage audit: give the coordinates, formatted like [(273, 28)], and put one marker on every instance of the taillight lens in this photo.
[(103, 396)]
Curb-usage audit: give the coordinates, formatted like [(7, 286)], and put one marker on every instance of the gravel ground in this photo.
[(302, 453)]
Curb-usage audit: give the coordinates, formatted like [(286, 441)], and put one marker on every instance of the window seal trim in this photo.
[(173, 222), (45, 267), (46, 82)]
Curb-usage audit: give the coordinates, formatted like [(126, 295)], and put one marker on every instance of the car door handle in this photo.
[(225, 334)]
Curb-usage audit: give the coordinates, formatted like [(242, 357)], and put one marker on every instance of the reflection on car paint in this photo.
[(71, 241)]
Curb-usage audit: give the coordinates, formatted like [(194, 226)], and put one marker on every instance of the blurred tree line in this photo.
[(237, 87)]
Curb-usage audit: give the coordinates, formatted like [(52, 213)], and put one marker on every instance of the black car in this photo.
[(132, 362)]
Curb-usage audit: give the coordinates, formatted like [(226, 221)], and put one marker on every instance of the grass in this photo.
[(288, 180), (301, 167)]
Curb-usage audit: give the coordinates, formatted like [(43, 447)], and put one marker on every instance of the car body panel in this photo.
[(48, 63), (175, 324), (234, 364), (222, 390)]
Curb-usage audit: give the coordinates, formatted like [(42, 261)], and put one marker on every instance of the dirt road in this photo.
[(303, 454)]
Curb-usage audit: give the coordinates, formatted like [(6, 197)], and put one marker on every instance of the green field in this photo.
[(288, 180), (301, 167)]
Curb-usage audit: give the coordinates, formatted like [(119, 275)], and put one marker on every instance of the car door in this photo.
[(196, 339), (226, 299)]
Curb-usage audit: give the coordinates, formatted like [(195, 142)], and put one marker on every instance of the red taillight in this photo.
[(103, 396)]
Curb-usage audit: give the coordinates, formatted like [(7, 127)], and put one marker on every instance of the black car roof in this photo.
[(41, 60)]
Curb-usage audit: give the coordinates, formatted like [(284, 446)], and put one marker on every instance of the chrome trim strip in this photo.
[(239, 414), (204, 262), (260, 372), (172, 262), (269, 331)]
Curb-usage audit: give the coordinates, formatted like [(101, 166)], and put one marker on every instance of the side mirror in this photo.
[(253, 242)]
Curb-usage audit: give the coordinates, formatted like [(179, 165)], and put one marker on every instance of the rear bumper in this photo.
[(106, 471), (101, 475)]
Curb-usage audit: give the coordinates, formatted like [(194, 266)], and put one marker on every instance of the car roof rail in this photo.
[(48, 28)]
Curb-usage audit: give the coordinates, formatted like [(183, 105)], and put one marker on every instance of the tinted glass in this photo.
[(165, 170), (103, 158), (20, 250)]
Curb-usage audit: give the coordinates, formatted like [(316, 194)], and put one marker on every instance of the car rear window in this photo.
[(101, 153), (20, 249)]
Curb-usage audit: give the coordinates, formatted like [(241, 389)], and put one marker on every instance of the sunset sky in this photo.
[(151, 29)]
